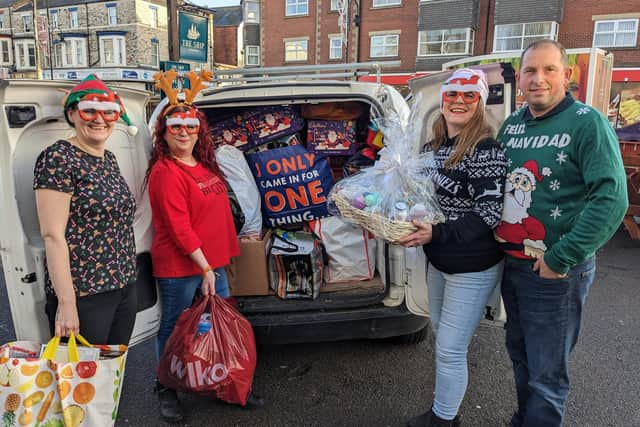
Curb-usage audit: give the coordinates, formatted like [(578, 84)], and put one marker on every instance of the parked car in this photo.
[(32, 118)]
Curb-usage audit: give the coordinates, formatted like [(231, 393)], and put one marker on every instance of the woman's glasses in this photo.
[(177, 129), (467, 97), (90, 114)]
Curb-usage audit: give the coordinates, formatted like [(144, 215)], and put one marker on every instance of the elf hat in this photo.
[(466, 80), (93, 93)]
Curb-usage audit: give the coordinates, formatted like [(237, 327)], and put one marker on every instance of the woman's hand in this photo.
[(67, 321), (208, 286), (420, 237)]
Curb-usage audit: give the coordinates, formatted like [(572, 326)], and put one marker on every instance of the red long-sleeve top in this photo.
[(190, 210)]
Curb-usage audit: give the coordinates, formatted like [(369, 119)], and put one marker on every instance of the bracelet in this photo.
[(207, 269)]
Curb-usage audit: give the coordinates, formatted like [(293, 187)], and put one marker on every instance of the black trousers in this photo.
[(105, 318)]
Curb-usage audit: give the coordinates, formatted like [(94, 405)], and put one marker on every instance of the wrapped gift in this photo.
[(337, 137), (231, 131)]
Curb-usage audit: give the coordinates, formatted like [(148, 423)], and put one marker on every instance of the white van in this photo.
[(32, 119)]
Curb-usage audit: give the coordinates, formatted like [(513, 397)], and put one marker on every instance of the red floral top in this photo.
[(99, 233)]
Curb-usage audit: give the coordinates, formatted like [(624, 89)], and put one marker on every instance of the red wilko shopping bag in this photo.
[(218, 363)]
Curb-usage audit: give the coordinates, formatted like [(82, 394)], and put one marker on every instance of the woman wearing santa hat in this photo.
[(464, 261), (86, 210)]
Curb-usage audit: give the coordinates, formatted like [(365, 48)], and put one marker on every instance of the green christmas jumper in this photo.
[(565, 193)]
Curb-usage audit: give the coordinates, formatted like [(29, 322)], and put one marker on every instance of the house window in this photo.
[(620, 33), (252, 55), (297, 7), (58, 54), (25, 54), (3, 24), (73, 17), (112, 14), (252, 12), (112, 51), (155, 53), (336, 4), (54, 20), (335, 47), (382, 3), (385, 45), (153, 16), (295, 50), (72, 52), (27, 26), (5, 52), (457, 41), (518, 36)]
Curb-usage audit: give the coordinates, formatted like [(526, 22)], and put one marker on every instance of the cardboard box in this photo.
[(249, 273)]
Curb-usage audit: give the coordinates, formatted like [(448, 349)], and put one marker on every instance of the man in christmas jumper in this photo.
[(565, 196)]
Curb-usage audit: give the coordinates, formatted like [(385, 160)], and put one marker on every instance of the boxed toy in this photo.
[(337, 137)]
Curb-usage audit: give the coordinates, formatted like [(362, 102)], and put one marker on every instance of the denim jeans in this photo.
[(456, 305), (176, 294), (543, 324)]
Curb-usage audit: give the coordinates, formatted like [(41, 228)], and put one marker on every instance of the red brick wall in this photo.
[(576, 28), (225, 49)]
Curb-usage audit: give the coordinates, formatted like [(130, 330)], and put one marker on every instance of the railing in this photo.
[(302, 72)]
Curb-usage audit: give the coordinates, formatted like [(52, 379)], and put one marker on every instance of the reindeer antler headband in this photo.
[(164, 81)]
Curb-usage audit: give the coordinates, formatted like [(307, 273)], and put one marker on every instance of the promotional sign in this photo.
[(194, 37), (293, 184)]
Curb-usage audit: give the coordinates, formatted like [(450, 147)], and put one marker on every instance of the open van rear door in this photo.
[(30, 120), (426, 94)]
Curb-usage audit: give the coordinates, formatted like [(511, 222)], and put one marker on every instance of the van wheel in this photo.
[(413, 338)]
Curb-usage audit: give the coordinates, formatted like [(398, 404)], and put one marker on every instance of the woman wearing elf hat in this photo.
[(86, 210), (464, 261), (194, 233)]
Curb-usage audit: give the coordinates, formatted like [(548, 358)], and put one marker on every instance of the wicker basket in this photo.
[(381, 226)]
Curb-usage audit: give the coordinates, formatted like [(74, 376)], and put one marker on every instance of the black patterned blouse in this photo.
[(99, 232)]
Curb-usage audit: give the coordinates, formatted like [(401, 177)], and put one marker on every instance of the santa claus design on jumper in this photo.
[(522, 235)]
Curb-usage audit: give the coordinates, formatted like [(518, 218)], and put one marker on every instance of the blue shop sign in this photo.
[(72, 75), (129, 74), (194, 37)]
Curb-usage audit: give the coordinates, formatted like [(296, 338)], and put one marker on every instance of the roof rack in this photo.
[(302, 72)]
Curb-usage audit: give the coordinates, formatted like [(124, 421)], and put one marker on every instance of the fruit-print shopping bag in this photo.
[(37, 391)]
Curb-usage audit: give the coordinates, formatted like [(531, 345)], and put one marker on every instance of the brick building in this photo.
[(116, 39), (237, 34)]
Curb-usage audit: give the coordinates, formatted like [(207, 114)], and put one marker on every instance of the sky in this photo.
[(216, 3)]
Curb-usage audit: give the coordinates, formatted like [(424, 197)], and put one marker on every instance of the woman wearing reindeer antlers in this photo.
[(194, 233), (464, 261)]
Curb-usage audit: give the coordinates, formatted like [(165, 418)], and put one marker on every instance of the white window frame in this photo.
[(252, 52), (112, 15), (252, 8), (22, 53), (73, 19), (304, 49), (26, 17), (333, 5), (422, 42), (153, 16), (155, 53), (2, 21), (553, 34), (332, 49), (119, 51), (615, 32), (55, 22), (73, 53), (298, 5), (6, 42), (386, 3), (385, 36)]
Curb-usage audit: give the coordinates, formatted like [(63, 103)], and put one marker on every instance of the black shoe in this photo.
[(254, 401), (170, 409), (429, 419)]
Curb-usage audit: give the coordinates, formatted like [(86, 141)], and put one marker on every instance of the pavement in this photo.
[(370, 383)]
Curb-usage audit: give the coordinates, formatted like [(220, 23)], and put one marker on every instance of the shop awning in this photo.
[(626, 75), (393, 79)]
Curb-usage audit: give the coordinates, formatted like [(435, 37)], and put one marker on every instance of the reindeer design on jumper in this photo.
[(522, 235), (492, 192)]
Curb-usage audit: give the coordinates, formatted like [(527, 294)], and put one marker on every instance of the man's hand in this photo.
[(544, 271), (420, 237)]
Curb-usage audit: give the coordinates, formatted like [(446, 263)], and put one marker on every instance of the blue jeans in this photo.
[(543, 324), (456, 305), (176, 294)]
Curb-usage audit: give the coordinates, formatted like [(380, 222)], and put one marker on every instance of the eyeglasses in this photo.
[(177, 129), (90, 114), (467, 97)]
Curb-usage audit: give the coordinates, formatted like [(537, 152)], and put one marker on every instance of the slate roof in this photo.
[(227, 16)]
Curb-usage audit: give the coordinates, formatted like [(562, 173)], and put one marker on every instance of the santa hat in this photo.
[(530, 169), (93, 93), (466, 80)]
